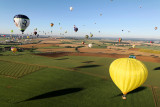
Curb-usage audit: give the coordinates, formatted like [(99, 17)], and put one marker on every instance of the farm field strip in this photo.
[(16, 70)]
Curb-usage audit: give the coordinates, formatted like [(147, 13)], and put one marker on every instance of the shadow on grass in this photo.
[(113, 53), (54, 94), (152, 55), (156, 56), (139, 55), (87, 66), (158, 68), (88, 62), (62, 59), (132, 92)]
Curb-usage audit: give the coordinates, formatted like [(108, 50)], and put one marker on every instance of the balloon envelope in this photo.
[(128, 74), (75, 29), (21, 21), (155, 28), (90, 45), (13, 49), (51, 24), (91, 35), (35, 32), (120, 39), (71, 8), (87, 36)]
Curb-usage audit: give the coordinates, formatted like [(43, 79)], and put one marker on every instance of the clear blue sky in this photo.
[(117, 15)]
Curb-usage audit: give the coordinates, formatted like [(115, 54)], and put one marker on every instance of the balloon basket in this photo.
[(124, 97)]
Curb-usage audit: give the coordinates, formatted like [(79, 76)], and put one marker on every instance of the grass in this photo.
[(49, 87), (16, 70), (2, 46), (99, 46), (59, 85), (64, 42), (150, 47)]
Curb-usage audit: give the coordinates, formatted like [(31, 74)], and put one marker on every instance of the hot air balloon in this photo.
[(11, 31), (151, 42), (133, 46), (90, 45), (119, 40), (51, 24), (21, 21), (27, 37), (155, 28), (91, 35), (140, 6), (65, 31), (100, 14), (87, 36), (35, 32), (75, 28), (83, 42), (71, 8), (128, 74), (13, 49)]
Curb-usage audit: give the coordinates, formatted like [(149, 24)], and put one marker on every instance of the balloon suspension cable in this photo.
[(124, 97)]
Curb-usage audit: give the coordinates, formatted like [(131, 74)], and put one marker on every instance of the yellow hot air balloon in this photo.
[(133, 46), (128, 74), (27, 37), (13, 49)]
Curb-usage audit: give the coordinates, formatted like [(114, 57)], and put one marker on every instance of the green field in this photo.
[(16, 70), (150, 47), (69, 81)]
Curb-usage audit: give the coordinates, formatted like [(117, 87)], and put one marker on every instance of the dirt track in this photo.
[(60, 54)]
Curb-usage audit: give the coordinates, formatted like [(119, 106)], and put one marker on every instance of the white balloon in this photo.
[(71, 8), (90, 45), (22, 22)]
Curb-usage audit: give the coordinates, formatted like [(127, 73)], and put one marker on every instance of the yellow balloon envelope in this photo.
[(27, 37), (13, 49), (128, 74)]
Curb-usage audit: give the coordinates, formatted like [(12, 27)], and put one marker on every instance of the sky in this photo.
[(140, 17)]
